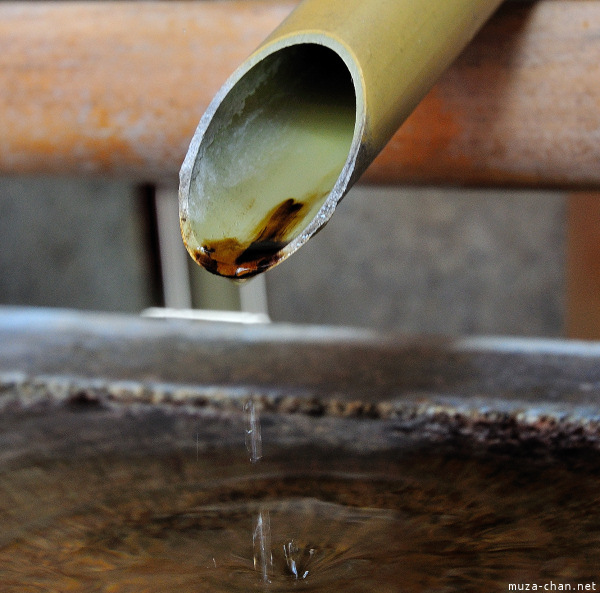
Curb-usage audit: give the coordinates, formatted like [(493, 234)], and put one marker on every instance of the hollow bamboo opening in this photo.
[(268, 157)]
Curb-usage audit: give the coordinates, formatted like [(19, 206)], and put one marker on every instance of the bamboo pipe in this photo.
[(301, 119)]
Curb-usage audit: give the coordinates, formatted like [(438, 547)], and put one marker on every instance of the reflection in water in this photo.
[(385, 522), (261, 542)]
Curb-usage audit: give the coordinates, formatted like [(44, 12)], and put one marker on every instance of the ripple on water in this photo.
[(379, 523)]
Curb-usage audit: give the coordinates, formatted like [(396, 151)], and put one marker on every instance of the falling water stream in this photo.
[(261, 534), (296, 561)]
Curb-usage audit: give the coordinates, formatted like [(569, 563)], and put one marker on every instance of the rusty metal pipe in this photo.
[(301, 119)]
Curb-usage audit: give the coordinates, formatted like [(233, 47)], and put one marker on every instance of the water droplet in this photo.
[(253, 436)]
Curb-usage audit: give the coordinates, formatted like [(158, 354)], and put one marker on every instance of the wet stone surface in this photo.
[(385, 465), (429, 519)]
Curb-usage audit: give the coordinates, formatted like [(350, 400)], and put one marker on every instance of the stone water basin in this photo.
[(388, 463)]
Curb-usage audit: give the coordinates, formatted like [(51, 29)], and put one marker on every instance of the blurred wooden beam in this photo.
[(520, 107), (117, 88), (583, 266)]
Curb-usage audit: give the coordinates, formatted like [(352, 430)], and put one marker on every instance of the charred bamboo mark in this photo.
[(233, 258)]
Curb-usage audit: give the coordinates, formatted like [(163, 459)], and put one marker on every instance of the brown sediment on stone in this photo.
[(427, 420)]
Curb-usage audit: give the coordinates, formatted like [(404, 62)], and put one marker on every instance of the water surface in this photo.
[(185, 521)]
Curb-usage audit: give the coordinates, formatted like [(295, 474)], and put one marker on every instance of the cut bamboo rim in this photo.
[(301, 119)]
